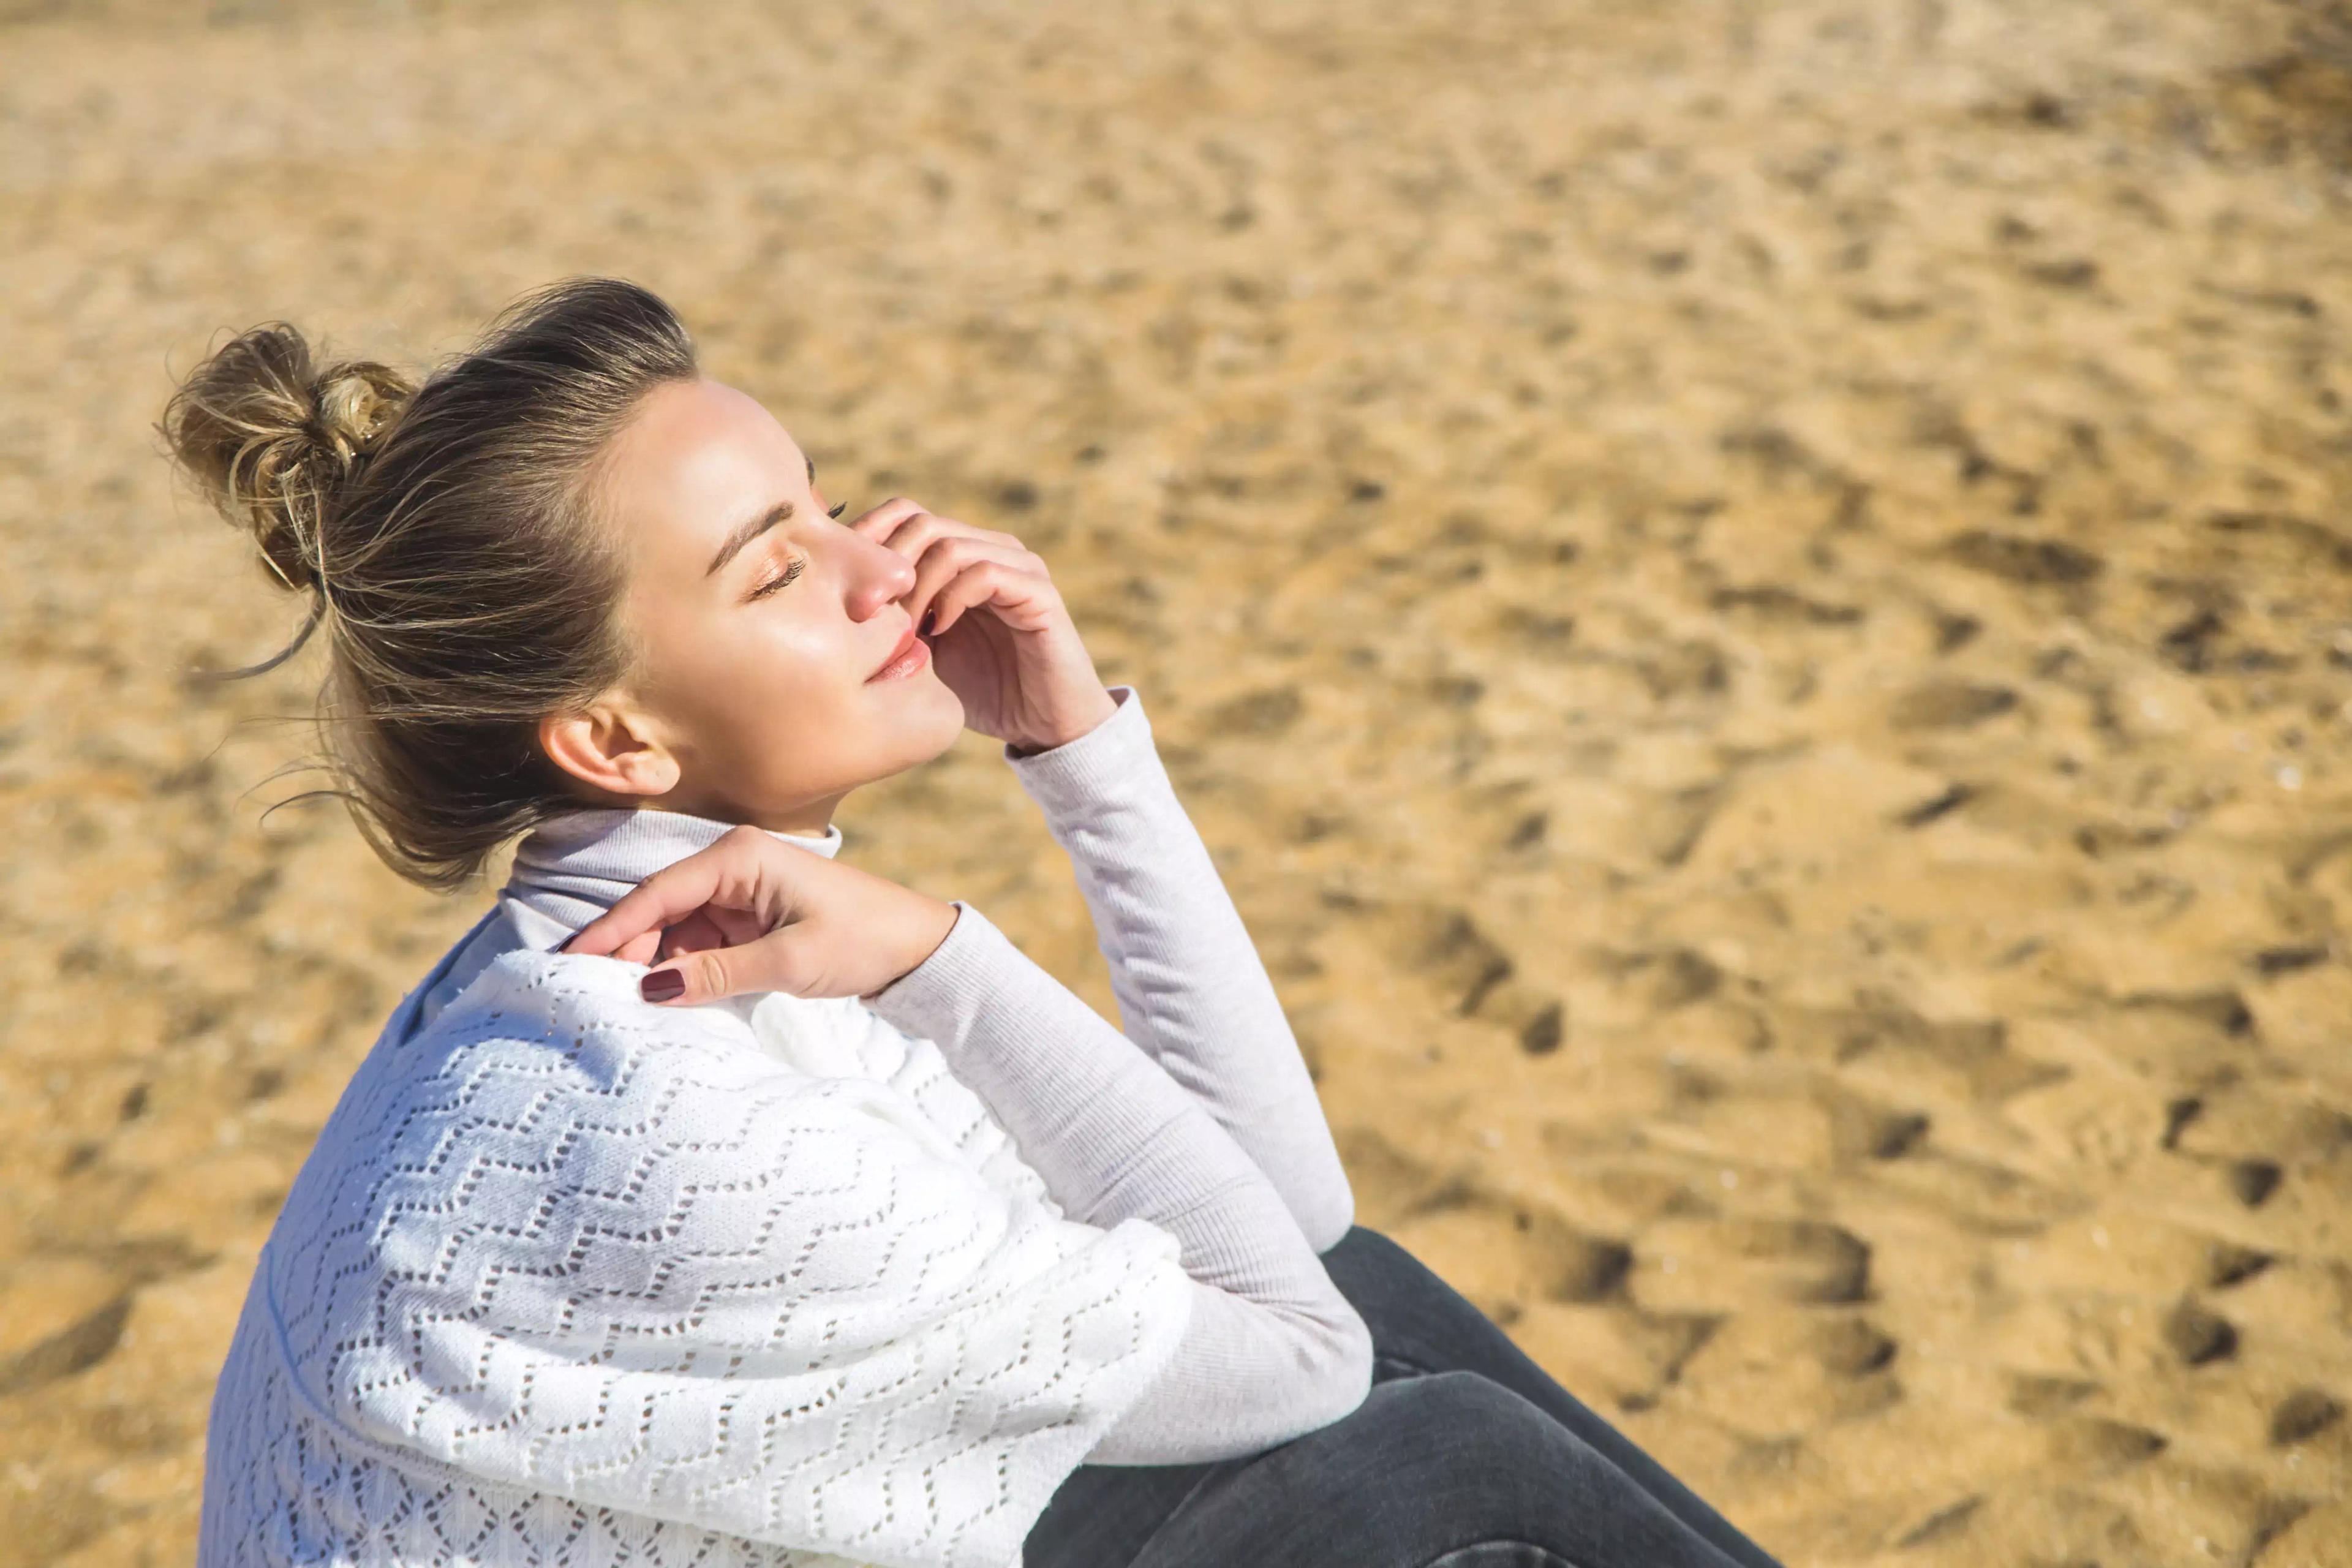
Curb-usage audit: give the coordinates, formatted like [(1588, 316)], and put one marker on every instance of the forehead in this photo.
[(696, 453)]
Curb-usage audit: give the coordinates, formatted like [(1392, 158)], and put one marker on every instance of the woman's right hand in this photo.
[(752, 913)]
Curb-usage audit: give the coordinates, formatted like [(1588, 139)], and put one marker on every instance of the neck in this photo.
[(807, 819)]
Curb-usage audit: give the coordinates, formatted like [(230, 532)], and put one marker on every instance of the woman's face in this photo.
[(758, 621)]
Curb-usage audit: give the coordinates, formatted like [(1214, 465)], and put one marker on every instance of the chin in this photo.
[(933, 715)]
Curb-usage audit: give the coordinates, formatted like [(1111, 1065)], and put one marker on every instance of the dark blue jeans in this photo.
[(1464, 1455)]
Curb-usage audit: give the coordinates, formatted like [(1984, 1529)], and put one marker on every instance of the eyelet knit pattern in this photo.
[(571, 1278)]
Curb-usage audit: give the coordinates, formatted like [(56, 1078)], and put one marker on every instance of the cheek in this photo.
[(777, 668), (759, 670)]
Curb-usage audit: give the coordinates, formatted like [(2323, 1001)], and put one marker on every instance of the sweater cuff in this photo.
[(934, 1000), (1117, 751)]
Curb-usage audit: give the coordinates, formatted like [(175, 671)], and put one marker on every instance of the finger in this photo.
[(692, 978), (956, 528), (915, 532), (709, 926), (878, 523), (696, 932), (907, 527), (947, 559), (715, 973), (737, 927), (725, 872), (662, 898), (1023, 600), (645, 949)]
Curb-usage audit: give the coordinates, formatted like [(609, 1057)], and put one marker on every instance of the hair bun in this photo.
[(273, 439)]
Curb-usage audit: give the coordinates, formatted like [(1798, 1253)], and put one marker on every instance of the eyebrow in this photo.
[(746, 532)]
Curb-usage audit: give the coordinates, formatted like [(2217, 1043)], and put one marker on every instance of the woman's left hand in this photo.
[(999, 634)]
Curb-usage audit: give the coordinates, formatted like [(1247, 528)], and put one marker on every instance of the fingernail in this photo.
[(661, 985), (930, 620)]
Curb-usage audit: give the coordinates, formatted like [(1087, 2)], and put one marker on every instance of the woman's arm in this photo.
[(1191, 990), (1111, 1135), (570, 1243), (1272, 1349)]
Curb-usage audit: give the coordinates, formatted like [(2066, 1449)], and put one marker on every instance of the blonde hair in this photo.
[(447, 536)]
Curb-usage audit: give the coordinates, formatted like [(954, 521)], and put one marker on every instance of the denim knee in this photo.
[(1374, 1246), (1450, 1470), (1501, 1554), (1468, 1423), (1464, 1446), (1499, 1484)]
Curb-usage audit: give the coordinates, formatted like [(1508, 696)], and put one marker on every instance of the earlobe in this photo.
[(603, 748)]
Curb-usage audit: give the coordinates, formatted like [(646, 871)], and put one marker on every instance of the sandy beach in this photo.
[(1756, 603)]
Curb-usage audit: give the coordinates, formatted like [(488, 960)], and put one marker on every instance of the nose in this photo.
[(874, 575)]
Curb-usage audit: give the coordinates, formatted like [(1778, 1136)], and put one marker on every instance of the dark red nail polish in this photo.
[(661, 985), (930, 620)]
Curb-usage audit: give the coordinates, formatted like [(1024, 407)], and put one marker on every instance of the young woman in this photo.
[(714, 1201)]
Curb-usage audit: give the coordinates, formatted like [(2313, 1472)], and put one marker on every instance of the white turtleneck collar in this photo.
[(569, 870), (577, 866)]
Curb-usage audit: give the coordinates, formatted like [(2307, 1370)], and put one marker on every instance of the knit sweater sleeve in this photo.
[(1191, 990), (568, 1242), (1272, 1348)]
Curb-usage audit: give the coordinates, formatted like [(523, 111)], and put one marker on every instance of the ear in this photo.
[(609, 746)]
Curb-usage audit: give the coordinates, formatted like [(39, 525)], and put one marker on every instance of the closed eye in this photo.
[(779, 580)]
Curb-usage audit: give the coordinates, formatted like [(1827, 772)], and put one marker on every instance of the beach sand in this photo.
[(1756, 603)]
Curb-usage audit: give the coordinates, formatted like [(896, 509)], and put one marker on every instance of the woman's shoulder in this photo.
[(545, 1092), (536, 1050), (575, 1023)]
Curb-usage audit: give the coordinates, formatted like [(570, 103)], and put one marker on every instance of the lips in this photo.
[(908, 644)]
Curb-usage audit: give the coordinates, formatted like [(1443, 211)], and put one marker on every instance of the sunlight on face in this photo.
[(757, 619)]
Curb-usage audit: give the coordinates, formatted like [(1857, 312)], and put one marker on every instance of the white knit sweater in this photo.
[(573, 1278)]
